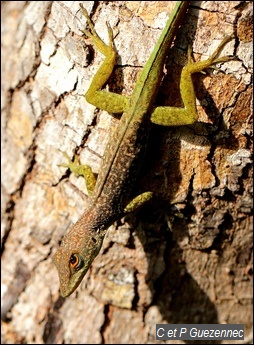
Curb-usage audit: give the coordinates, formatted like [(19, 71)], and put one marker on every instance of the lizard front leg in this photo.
[(137, 202), (108, 101), (81, 170)]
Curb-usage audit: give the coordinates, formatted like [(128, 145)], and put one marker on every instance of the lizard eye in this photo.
[(76, 262)]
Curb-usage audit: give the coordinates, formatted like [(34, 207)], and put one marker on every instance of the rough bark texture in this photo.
[(185, 257)]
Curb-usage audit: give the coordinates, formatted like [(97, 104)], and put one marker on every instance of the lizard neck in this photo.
[(95, 221)]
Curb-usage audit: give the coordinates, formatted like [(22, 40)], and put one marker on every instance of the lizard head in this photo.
[(74, 257)]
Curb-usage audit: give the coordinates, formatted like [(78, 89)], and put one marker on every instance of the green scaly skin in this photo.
[(110, 198)]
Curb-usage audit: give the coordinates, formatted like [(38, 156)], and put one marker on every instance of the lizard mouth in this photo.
[(66, 289)]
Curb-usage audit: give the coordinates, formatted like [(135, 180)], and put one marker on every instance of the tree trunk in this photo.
[(186, 256)]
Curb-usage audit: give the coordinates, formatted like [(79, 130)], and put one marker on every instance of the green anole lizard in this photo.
[(110, 194)]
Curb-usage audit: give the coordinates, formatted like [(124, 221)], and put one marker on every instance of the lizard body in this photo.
[(110, 194)]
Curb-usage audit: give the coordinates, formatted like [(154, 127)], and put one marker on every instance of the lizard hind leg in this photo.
[(91, 33), (109, 101), (172, 116), (194, 67)]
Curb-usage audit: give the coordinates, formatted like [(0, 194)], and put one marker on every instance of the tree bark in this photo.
[(186, 257)]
